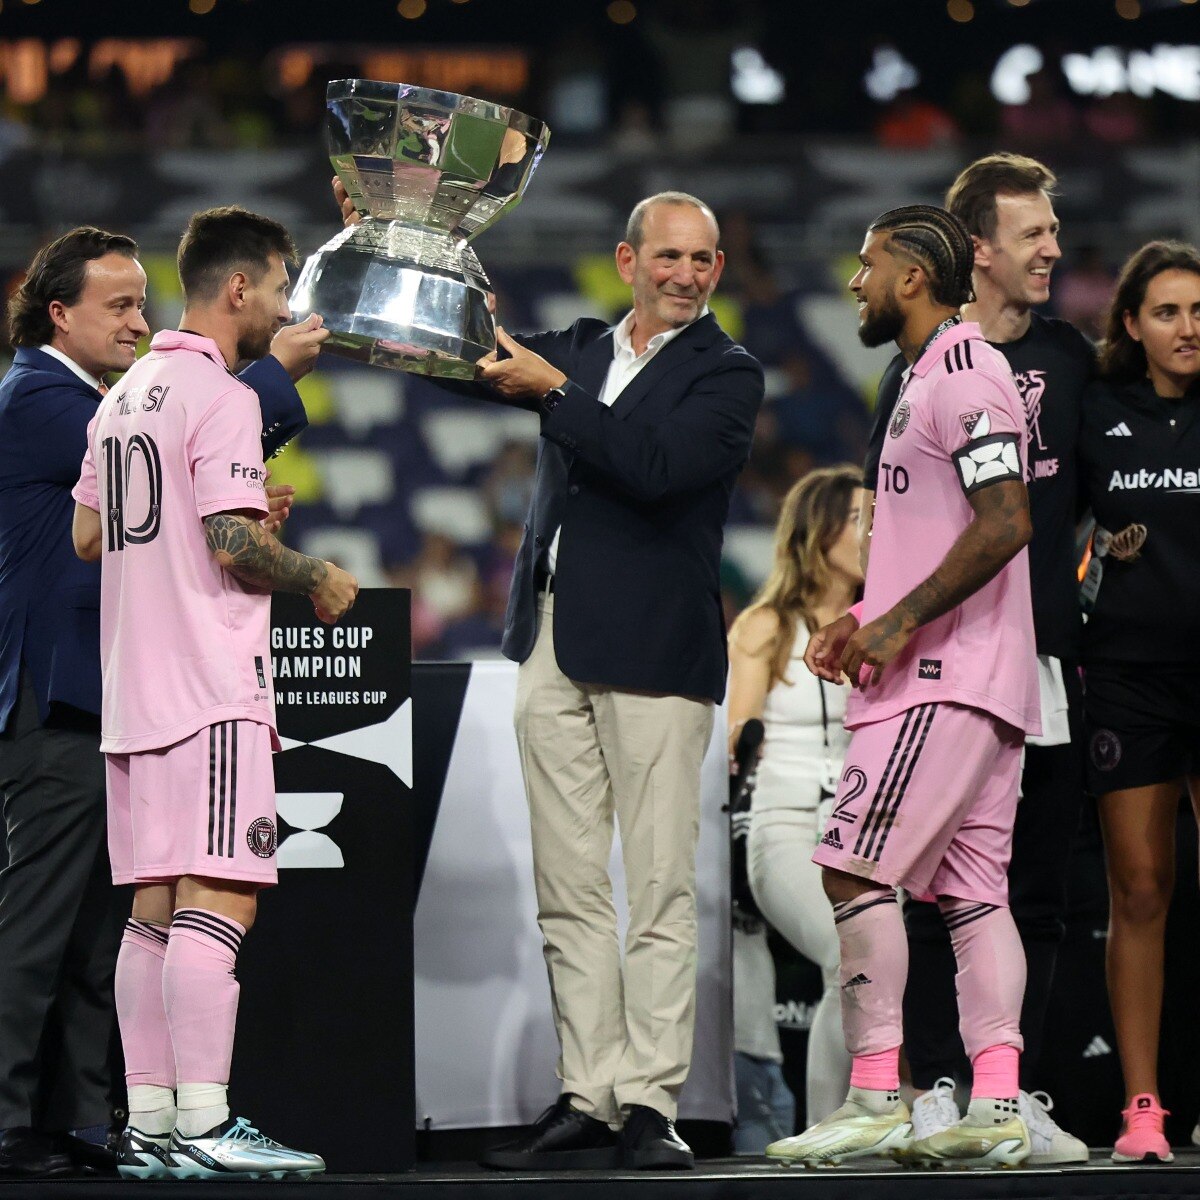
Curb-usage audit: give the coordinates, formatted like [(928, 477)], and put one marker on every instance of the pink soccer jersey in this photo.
[(959, 426), (183, 643)]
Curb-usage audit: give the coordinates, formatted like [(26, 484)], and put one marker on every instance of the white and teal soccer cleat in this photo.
[(236, 1150), (143, 1156), (853, 1131)]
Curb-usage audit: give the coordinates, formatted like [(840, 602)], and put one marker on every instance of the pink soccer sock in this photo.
[(876, 1072), (874, 967), (201, 993), (145, 1038), (996, 1072), (991, 986)]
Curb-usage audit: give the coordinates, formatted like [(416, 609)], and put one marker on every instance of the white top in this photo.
[(795, 762), (54, 352), (625, 365), (1056, 731)]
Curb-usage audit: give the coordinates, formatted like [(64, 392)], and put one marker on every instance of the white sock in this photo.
[(872, 1100), (151, 1109), (202, 1106), (987, 1110)]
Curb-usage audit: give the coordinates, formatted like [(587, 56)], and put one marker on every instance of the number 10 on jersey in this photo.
[(121, 464)]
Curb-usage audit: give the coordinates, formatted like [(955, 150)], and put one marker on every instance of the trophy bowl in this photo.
[(428, 171)]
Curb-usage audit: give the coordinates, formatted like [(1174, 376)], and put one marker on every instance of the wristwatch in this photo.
[(550, 401)]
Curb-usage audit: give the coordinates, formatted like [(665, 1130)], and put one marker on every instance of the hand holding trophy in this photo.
[(428, 170)]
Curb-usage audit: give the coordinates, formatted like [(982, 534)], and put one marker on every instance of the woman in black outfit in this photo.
[(1140, 468)]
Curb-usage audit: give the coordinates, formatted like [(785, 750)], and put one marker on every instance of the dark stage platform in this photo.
[(720, 1179)]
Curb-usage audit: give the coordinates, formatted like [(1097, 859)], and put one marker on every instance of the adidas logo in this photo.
[(857, 981), (1097, 1048), (1120, 430), (831, 838)]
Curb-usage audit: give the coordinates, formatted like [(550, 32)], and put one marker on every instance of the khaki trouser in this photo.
[(586, 752)]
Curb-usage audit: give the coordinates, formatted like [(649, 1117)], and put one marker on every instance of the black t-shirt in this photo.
[(1052, 365), (1139, 463)]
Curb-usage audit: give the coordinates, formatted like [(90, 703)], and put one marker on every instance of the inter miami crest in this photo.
[(262, 837), (900, 419), (1106, 750)]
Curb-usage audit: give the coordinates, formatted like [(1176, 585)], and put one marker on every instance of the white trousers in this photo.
[(787, 887)]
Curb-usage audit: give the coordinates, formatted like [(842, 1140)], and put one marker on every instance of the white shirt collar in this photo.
[(54, 352), (624, 345)]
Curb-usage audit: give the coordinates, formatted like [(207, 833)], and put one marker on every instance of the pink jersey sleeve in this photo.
[(967, 406), (86, 490), (975, 420), (225, 453)]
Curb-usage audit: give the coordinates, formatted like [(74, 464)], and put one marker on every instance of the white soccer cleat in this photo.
[(1049, 1143), (143, 1156), (935, 1110), (853, 1131), (236, 1150), (971, 1144)]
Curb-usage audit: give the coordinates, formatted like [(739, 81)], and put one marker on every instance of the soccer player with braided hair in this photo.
[(942, 661), (1006, 202)]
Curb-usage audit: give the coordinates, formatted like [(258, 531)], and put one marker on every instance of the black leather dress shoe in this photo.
[(26, 1152), (561, 1140), (86, 1156), (649, 1142)]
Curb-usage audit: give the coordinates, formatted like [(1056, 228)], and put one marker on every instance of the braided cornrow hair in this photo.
[(939, 242)]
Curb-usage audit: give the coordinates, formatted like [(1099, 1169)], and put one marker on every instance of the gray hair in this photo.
[(634, 227)]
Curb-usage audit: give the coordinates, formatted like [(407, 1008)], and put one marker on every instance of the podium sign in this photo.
[(327, 1001)]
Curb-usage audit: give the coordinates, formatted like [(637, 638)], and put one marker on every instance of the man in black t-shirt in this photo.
[(1005, 202)]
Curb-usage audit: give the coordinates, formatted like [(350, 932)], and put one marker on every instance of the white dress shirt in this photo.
[(625, 365)]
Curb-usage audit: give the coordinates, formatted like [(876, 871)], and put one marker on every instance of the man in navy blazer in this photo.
[(615, 617), (76, 318)]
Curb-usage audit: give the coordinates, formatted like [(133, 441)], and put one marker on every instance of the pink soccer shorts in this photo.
[(926, 802), (204, 806)]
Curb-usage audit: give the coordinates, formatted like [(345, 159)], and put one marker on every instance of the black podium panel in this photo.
[(324, 1054)]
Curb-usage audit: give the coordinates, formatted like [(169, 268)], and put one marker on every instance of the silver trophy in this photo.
[(429, 171)]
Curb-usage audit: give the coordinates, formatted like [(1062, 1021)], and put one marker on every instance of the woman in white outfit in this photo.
[(814, 580)]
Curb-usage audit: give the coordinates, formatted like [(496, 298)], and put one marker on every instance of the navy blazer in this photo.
[(641, 491), (50, 599)]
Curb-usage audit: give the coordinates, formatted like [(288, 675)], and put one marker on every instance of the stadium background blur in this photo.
[(798, 122)]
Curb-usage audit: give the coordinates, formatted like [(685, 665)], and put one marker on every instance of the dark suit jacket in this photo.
[(641, 491), (49, 599)]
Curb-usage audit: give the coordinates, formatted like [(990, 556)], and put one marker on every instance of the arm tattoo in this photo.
[(1000, 528), (245, 549)]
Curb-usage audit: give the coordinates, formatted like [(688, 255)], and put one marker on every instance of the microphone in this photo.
[(746, 750), (741, 792), (745, 758)]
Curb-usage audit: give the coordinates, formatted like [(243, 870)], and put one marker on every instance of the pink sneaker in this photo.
[(1142, 1138)]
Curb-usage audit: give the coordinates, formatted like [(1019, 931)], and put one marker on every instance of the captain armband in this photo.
[(988, 460)]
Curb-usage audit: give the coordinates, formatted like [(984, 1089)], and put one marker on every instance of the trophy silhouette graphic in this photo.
[(429, 171)]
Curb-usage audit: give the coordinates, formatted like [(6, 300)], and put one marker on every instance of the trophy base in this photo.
[(401, 297)]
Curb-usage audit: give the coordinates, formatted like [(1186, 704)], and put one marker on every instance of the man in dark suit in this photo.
[(76, 317), (615, 617)]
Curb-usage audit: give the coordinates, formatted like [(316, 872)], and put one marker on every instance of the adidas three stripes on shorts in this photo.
[(926, 802), (204, 806)]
